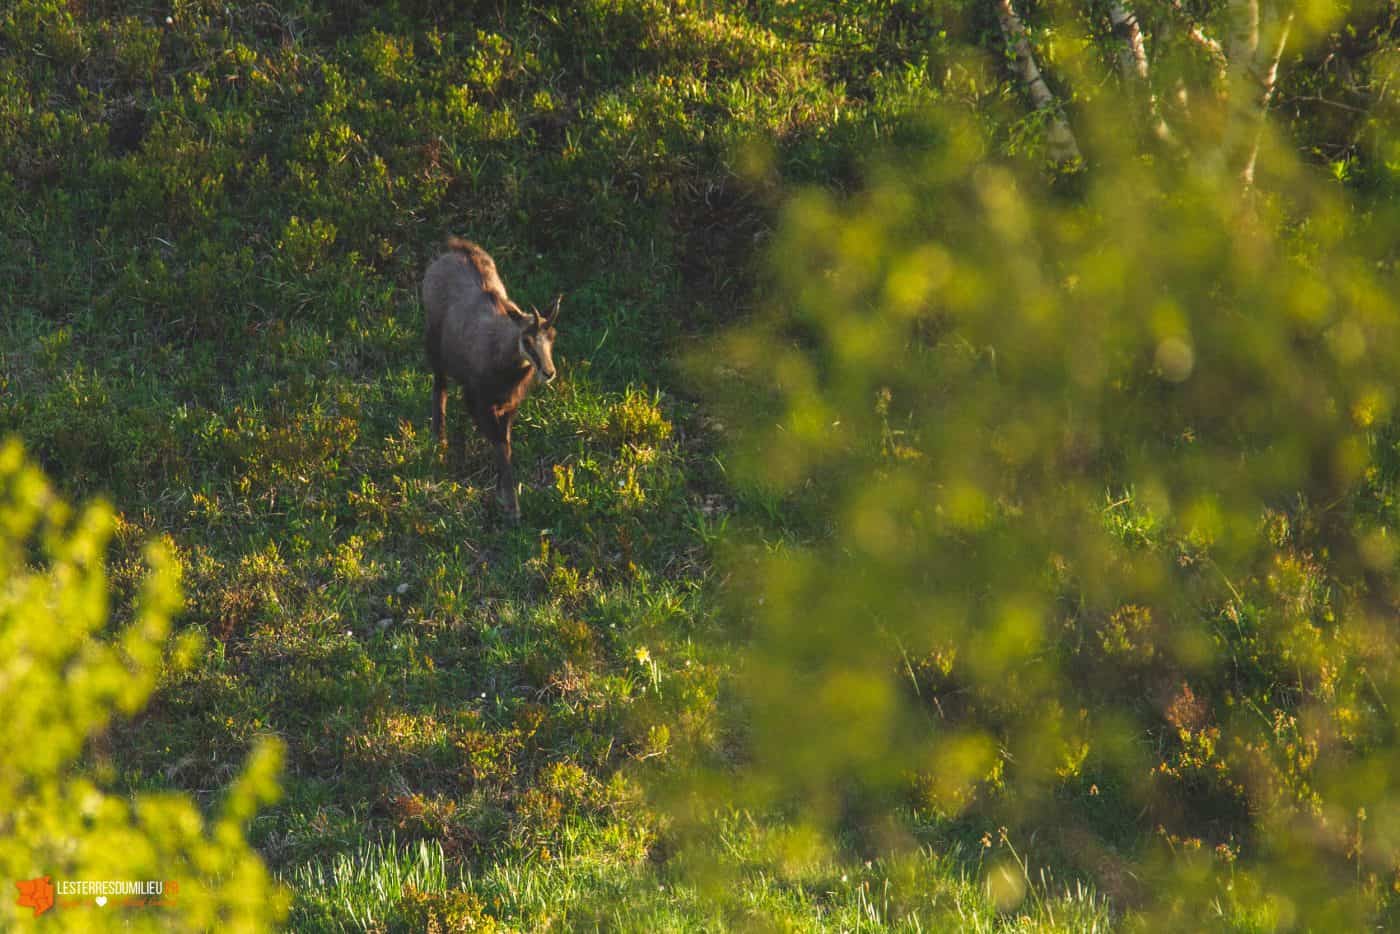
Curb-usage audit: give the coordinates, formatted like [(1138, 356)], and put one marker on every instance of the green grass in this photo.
[(364, 889), (385, 885)]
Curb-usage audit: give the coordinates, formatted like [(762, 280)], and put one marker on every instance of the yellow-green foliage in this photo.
[(61, 681), (638, 421)]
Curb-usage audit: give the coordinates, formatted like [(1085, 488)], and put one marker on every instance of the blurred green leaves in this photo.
[(60, 683), (1089, 541)]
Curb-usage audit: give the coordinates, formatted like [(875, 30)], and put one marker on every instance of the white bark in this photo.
[(1198, 37), (1132, 62), (1244, 34), (1132, 55), (1241, 84), (1059, 138), (1267, 81)]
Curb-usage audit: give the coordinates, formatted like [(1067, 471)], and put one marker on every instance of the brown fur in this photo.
[(474, 335), (484, 265)]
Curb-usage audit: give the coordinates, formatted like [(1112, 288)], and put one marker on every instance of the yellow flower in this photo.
[(643, 656)]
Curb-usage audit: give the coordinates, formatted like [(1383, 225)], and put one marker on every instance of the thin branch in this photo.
[(1196, 35), (1319, 99)]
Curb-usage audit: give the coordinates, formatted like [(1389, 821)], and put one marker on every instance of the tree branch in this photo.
[(1197, 35)]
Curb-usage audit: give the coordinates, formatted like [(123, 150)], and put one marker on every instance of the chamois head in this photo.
[(537, 338)]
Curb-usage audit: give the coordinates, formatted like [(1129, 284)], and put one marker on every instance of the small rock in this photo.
[(402, 589), (385, 623)]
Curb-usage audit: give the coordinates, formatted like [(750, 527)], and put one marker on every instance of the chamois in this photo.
[(483, 340)]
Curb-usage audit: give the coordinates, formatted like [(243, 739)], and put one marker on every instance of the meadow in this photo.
[(686, 691)]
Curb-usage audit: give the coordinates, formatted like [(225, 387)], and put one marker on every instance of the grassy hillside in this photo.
[(213, 220)]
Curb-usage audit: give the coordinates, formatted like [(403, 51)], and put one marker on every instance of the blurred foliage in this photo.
[(1086, 526), (64, 677)]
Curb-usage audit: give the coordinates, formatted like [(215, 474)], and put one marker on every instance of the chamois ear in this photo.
[(553, 314), (516, 315)]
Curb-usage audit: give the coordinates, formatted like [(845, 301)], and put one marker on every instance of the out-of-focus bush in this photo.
[(1089, 527), (62, 678)]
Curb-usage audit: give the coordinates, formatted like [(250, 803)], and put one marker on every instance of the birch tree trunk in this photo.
[(1059, 138), (1247, 58), (1244, 35), (1241, 47), (1132, 63), (1267, 82), (1132, 55), (1252, 63)]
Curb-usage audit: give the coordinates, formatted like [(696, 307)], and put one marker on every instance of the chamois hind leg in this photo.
[(439, 405), (470, 407)]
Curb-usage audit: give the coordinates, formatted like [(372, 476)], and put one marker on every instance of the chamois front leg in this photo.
[(439, 405), (505, 484), (496, 428)]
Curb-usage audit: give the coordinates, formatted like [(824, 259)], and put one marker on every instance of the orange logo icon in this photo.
[(36, 894)]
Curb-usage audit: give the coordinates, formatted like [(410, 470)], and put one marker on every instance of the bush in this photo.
[(63, 680)]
